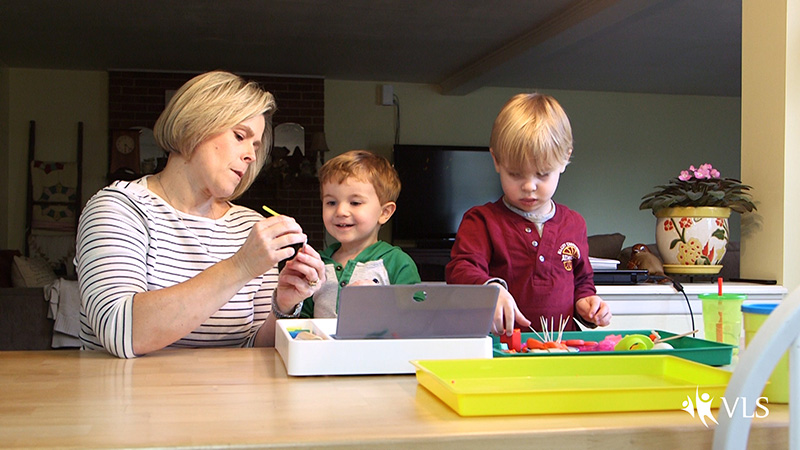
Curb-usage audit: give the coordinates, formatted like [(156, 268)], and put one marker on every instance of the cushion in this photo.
[(57, 248), (606, 245), (31, 272)]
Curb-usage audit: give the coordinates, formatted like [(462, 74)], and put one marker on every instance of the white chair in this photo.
[(781, 331)]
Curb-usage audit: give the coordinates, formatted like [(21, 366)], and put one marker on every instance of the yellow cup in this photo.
[(777, 390), (722, 318)]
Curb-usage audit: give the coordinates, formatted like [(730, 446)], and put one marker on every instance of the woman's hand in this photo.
[(506, 313), (594, 309), (268, 243), (302, 276)]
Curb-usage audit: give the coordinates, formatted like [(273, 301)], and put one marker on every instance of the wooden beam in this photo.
[(579, 20)]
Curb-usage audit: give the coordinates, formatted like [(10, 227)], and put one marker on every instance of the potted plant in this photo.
[(692, 213)]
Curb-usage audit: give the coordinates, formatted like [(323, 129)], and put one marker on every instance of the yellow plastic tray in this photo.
[(562, 384)]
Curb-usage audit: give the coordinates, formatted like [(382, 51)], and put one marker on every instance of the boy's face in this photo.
[(353, 214), (529, 189)]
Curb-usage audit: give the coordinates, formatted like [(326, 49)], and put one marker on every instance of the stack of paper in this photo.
[(603, 263)]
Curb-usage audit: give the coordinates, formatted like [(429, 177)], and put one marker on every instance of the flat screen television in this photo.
[(440, 183)]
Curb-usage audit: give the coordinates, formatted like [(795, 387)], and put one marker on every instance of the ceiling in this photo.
[(650, 46)]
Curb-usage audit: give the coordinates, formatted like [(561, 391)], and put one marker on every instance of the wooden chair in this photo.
[(781, 331)]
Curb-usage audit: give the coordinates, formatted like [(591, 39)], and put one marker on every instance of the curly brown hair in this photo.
[(364, 166)]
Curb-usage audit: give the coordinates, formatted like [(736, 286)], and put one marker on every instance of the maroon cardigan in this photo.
[(546, 275)]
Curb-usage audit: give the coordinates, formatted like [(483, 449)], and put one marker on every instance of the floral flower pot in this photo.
[(692, 240)]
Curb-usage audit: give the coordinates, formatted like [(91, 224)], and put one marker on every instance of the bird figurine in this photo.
[(642, 258)]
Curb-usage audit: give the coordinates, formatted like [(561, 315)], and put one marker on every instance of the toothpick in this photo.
[(658, 340), (560, 326), (544, 328), (537, 334)]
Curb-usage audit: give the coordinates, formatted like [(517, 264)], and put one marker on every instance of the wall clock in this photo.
[(124, 152)]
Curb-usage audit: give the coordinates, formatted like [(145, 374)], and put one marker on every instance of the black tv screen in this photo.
[(440, 183)]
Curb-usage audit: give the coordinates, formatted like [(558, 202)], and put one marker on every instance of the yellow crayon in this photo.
[(269, 210)]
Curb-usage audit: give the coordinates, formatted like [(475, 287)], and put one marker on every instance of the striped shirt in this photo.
[(130, 241)]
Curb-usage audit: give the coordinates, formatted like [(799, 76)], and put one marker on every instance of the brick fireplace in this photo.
[(135, 99)]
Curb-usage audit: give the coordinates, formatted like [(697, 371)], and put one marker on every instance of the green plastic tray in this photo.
[(687, 347), (563, 384)]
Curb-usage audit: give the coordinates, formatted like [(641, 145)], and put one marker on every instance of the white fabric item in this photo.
[(65, 309)]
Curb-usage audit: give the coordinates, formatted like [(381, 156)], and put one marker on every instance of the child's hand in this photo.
[(594, 309), (506, 313)]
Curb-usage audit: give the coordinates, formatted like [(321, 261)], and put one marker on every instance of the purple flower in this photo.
[(704, 172), (700, 186)]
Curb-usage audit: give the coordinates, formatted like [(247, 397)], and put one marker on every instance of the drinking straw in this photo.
[(269, 210), (719, 307)]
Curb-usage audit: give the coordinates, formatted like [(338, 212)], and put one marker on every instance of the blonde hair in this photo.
[(532, 130), (210, 104), (364, 166)]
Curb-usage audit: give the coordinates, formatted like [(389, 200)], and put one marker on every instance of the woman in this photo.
[(167, 260)]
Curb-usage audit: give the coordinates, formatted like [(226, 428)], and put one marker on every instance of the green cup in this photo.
[(722, 318)]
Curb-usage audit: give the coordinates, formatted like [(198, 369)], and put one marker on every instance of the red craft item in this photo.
[(514, 341)]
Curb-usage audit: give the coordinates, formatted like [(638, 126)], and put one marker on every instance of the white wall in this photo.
[(625, 144), (57, 100), (770, 138)]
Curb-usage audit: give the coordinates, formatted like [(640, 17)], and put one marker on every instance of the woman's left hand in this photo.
[(302, 276)]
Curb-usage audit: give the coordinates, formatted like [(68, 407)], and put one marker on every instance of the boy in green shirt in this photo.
[(359, 190)]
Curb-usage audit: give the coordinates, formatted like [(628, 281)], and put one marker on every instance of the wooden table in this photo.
[(244, 398)]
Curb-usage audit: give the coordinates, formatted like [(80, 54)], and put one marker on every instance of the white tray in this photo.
[(365, 356)]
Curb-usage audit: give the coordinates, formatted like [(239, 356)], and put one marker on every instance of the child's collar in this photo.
[(532, 216)]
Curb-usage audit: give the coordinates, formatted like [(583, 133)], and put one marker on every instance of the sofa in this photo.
[(29, 305)]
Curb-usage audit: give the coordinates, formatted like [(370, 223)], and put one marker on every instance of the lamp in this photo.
[(318, 147), (318, 143)]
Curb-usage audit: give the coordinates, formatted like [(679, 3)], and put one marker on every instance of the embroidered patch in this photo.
[(569, 252)]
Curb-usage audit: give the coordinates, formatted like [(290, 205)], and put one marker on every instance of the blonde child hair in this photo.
[(364, 166), (212, 103), (532, 131)]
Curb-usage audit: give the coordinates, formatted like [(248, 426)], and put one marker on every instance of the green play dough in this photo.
[(634, 342)]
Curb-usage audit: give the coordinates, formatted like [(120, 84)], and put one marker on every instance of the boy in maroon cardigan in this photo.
[(535, 249)]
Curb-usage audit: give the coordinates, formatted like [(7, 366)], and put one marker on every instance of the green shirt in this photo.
[(381, 262)]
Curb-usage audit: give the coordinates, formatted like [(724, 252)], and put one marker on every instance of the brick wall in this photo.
[(137, 99)]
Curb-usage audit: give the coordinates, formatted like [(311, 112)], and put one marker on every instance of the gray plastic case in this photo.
[(418, 311)]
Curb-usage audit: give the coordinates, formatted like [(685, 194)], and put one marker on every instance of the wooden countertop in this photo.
[(243, 398)]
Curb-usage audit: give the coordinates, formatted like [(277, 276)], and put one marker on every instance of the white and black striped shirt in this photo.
[(131, 241)]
